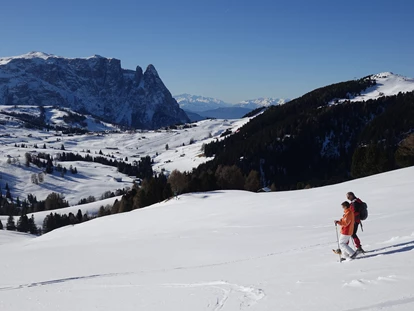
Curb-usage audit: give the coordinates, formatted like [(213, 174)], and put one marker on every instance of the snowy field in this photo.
[(223, 250), (93, 178)]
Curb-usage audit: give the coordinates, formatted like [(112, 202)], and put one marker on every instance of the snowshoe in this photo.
[(353, 256)]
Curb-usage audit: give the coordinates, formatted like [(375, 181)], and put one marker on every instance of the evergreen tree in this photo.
[(28, 159), (11, 224), (8, 193), (23, 224), (32, 225), (48, 223), (79, 216)]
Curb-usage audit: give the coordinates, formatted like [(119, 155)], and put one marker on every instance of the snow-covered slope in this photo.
[(52, 116), (223, 250), (387, 84)]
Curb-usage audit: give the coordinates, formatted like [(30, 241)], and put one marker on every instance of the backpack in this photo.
[(363, 211)]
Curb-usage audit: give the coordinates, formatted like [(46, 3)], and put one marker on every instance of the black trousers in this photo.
[(355, 237)]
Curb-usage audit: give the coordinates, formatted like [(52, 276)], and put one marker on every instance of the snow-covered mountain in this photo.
[(222, 250), (96, 85), (387, 84), (216, 108), (197, 103), (262, 102)]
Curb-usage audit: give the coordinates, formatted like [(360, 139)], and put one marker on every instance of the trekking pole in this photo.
[(337, 241)]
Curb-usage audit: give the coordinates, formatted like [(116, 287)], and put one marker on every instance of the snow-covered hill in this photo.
[(222, 250), (387, 84), (51, 116)]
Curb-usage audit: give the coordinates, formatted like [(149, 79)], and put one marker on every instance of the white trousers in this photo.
[(343, 244)]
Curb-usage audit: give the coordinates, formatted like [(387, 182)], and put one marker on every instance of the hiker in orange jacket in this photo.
[(347, 229)]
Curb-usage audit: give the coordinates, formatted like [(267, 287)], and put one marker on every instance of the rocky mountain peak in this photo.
[(96, 85)]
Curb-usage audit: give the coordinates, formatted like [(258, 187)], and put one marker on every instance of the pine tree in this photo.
[(79, 216), (23, 224), (10, 224), (8, 194), (32, 225)]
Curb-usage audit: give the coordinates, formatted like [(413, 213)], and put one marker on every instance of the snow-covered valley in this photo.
[(169, 149)]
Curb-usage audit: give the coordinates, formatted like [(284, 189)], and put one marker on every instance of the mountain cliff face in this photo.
[(94, 85)]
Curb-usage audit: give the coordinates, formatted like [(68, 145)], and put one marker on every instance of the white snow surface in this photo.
[(388, 84), (222, 250)]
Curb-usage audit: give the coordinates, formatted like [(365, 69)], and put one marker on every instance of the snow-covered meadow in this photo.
[(94, 178), (222, 250)]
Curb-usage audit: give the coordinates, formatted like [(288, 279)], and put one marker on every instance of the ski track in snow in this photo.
[(248, 296), (57, 281), (385, 304), (77, 278)]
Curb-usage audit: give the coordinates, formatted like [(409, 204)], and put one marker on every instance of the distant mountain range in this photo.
[(95, 85), (208, 107)]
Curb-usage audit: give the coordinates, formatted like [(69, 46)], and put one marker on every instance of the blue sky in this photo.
[(232, 50)]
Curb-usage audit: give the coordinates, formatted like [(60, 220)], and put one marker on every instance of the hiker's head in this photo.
[(350, 196), (345, 205)]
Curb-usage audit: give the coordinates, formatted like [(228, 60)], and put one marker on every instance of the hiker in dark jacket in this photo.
[(355, 205)]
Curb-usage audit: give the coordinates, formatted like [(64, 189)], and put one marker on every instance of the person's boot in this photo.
[(360, 250), (337, 251), (353, 256)]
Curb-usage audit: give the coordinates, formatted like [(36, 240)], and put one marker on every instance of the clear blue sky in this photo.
[(229, 49)]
